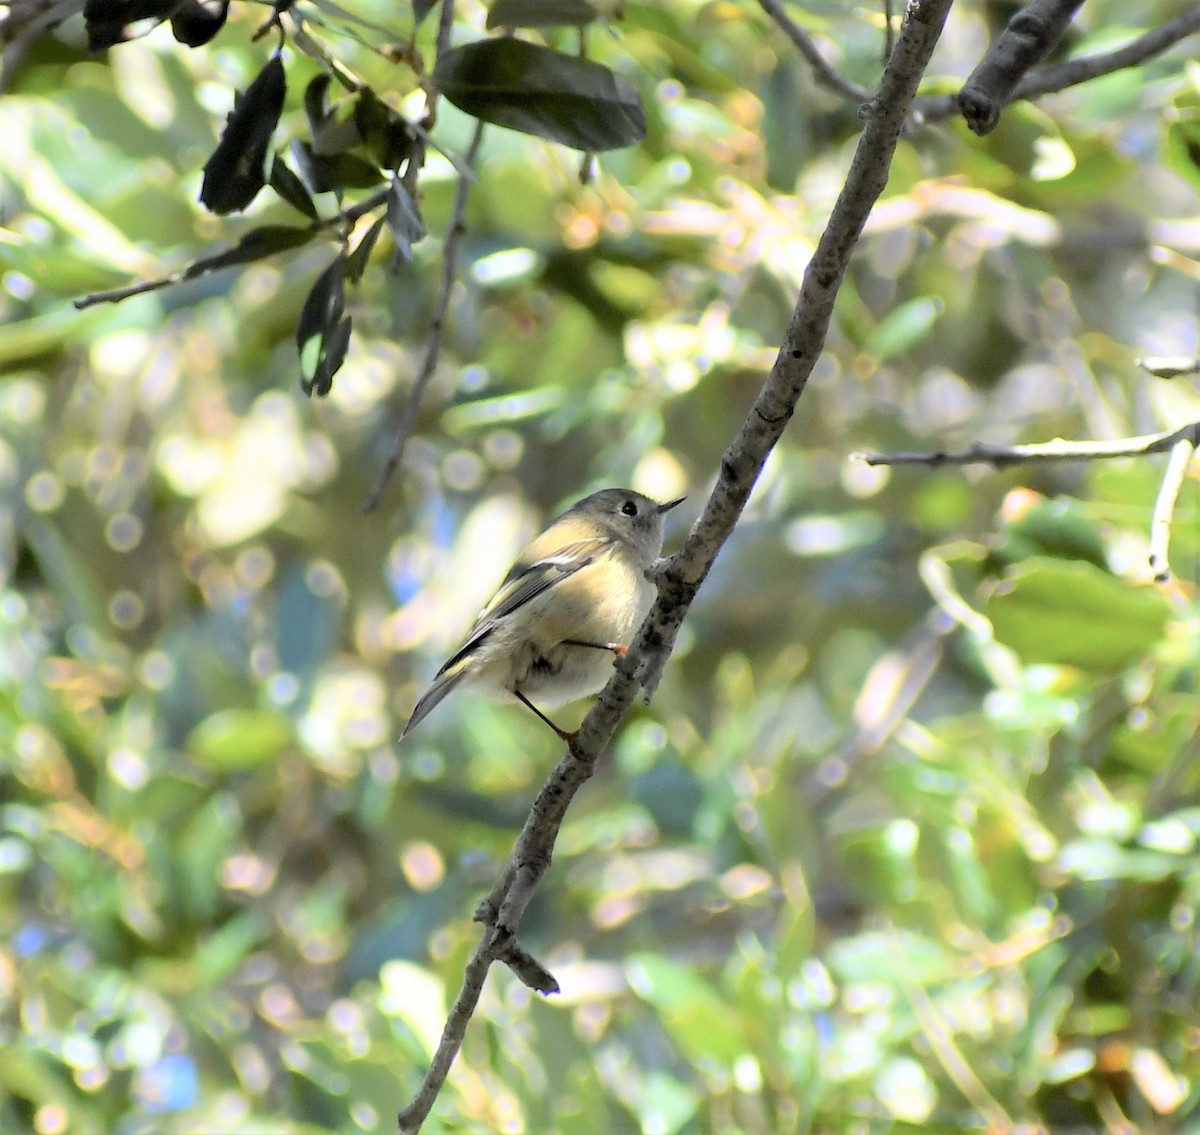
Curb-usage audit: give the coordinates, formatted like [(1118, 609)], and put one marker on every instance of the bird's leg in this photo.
[(562, 734), (617, 648)]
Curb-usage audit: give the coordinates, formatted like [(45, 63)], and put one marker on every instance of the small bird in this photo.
[(578, 591)]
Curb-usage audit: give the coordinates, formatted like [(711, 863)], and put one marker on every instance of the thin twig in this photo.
[(445, 28), (219, 260), (1164, 507), (412, 1116), (1057, 450), (891, 688), (1047, 80), (1169, 366), (823, 72), (685, 571), (433, 342)]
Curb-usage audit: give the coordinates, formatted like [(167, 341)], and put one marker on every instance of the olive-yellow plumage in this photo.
[(574, 597)]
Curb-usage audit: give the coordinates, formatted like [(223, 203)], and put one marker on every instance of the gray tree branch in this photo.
[(683, 573), (1180, 443), (1048, 80), (824, 73), (1027, 39)]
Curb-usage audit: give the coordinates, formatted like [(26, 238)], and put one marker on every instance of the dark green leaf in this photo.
[(255, 245), (1063, 528), (333, 174), (540, 14), (315, 106), (291, 188), (1073, 613), (332, 355), (237, 169), (321, 328), (336, 136), (109, 22), (356, 263), (405, 222), (382, 130), (421, 9), (538, 91), (195, 22)]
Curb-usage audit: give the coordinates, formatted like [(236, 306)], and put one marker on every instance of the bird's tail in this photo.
[(440, 688)]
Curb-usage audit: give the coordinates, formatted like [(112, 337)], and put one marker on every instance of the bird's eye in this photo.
[(629, 508)]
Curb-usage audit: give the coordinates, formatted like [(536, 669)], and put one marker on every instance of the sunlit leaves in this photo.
[(535, 90), (1075, 614), (239, 738), (906, 325), (1183, 136), (237, 169)]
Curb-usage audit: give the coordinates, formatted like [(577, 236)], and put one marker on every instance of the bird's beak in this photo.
[(671, 504)]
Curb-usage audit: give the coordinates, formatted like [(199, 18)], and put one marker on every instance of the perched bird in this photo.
[(576, 594)]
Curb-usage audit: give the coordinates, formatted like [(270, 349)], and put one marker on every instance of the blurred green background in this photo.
[(907, 839)]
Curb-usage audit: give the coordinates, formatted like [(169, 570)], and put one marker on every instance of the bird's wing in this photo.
[(527, 579)]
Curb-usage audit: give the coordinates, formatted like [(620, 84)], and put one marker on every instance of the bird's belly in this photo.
[(561, 673)]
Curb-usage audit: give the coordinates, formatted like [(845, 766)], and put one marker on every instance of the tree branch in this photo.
[(1164, 507), (1048, 80), (226, 257), (684, 572), (433, 344), (1075, 71), (824, 73), (1027, 39), (1057, 450), (1180, 443)]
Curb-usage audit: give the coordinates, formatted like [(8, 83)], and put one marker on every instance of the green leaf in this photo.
[(691, 1010), (904, 327), (1063, 528), (538, 91), (322, 335), (237, 169), (285, 182), (356, 262), (110, 22), (1102, 859), (540, 14), (1074, 613), (316, 106), (257, 244), (421, 9), (1183, 141), (195, 22), (384, 132), (334, 173), (897, 957), (233, 739), (403, 219)]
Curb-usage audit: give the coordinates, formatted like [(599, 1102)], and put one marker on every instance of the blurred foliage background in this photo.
[(907, 839)]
